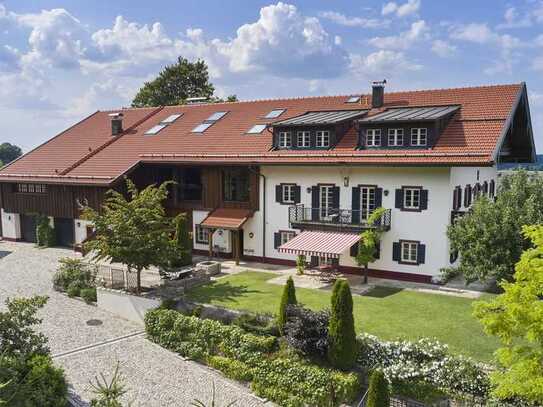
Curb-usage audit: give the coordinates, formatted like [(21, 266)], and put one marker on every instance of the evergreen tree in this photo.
[(288, 298), (378, 392), (182, 243), (342, 348)]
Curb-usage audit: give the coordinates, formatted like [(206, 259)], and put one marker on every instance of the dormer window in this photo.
[(395, 137), (419, 136), (304, 139), (323, 138), (373, 137), (285, 140)]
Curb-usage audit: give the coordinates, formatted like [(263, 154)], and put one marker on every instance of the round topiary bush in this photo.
[(378, 391), (342, 347), (288, 298)]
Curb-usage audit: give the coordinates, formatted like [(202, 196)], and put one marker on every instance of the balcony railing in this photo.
[(301, 216)]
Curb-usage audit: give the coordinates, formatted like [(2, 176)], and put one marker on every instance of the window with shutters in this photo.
[(202, 235), (288, 193), (326, 200), (395, 137), (286, 235), (367, 202), (409, 252), (304, 139), (373, 137), (411, 198), (323, 138), (467, 196), (285, 140), (419, 136), (491, 189)]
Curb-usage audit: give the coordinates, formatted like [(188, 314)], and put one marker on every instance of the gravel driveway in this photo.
[(153, 376)]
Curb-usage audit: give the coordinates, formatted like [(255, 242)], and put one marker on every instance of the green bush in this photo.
[(88, 294), (74, 290), (45, 234), (231, 368), (342, 346), (168, 303), (181, 244), (259, 324), (378, 391), (288, 298), (73, 271)]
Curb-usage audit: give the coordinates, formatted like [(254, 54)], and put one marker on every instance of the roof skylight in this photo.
[(275, 113), (353, 99), (172, 118), (155, 129), (202, 127), (256, 129), (215, 116)]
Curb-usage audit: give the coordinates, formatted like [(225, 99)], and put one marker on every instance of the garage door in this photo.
[(28, 228), (64, 231)]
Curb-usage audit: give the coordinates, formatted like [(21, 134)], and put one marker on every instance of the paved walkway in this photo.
[(153, 376)]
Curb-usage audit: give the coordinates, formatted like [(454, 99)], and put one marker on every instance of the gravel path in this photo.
[(153, 376)]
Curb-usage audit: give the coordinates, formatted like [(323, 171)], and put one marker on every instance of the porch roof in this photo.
[(225, 218), (310, 243)]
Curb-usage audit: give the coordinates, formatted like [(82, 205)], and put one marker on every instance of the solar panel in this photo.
[(202, 127), (257, 129), (274, 113), (172, 118), (353, 99), (155, 129), (215, 116)]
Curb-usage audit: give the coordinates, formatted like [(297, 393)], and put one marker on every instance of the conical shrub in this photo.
[(378, 392), (288, 298), (342, 348)]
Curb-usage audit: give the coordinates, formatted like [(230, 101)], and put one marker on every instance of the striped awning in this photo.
[(327, 244)]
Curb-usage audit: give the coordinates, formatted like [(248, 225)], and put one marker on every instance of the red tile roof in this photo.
[(87, 153), (225, 218)]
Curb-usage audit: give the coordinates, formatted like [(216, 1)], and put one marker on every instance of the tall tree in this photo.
[(369, 243), (133, 231), (182, 243), (288, 298), (342, 347), (516, 318), (488, 237), (176, 83), (9, 152), (378, 391)]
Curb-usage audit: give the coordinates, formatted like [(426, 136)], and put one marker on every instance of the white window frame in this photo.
[(411, 198), (286, 235), (367, 201), (419, 136), (326, 200), (285, 139), (304, 139), (202, 235), (287, 193), (322, 136), (409, 252), (373, 137), (395, 137)]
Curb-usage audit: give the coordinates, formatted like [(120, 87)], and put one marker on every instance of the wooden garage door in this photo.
[(64, 231), (28, 228)]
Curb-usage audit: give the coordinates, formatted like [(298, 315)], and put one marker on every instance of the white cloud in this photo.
[(418, 31), (536, 98), (537, 64), (342, 19), (403, 10), (513, 19), (443, 49), (382, 62), (109, 94), (537, 12)]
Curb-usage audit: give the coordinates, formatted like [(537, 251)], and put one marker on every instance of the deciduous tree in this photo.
[(369, 243), (9, 152)]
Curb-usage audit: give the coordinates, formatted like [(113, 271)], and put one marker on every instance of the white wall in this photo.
[(11, 225), (461, 176), (81, 230), (221, 237)]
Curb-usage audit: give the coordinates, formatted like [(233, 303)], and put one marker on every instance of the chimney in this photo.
[(378, 93), (116, 123)]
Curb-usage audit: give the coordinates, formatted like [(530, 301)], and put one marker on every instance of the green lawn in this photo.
[(385, 312)]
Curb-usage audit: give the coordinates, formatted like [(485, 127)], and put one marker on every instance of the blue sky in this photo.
[(61, 60)]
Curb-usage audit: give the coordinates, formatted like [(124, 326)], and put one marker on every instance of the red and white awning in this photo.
[(327, 244)]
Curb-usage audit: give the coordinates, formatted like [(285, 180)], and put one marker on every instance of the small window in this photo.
[(304, 139), (155, 129), (275, 113), (353, 99), (395, 137), (323, 138), (256, 129), (409, 252), (288, 193), (202, 127), (411, 198), (32, 188), (23, 188), (373, 137), (419, 136), (286, 236), (202, 235), (215, 116), (285, 140), (172, 118)]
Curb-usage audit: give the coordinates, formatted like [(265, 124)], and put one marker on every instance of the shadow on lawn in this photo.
[(223, 291), (382, 292)]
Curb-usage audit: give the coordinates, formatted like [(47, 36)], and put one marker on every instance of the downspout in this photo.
[(263, 210)]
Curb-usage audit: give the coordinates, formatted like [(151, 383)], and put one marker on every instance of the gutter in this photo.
[(263, 209)]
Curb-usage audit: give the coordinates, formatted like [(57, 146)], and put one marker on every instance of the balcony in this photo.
[(301, 217)]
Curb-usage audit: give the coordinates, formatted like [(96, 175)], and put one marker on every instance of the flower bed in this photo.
[(251, 358)]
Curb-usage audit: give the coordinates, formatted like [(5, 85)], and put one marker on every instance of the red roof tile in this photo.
[(225, 218), (88, 150)]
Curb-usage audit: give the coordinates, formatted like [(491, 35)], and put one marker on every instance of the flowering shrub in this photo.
[(427, 363)]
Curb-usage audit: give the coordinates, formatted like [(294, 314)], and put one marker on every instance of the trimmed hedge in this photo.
[(247, 357)]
